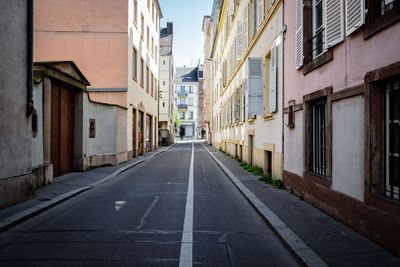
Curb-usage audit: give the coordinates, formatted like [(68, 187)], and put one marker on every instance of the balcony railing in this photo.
[(182, 93), (182, 106)]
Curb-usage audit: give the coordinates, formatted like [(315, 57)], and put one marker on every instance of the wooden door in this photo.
[(134, 132), (62, 128)]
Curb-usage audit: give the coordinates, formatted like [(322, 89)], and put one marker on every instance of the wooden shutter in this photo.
[(334, 28), (260, 12), (355, 16), (273, 80), (299, 34), (255, 87), (245, 19)]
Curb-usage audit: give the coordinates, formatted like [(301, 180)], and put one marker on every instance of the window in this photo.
[(190, 89), (152, 84), (318, 37), (182, 115), (381, 14), (182, 89), (142, 27), (156, 88), (163, 62), (134, 64), (392, 139), (191, 115), (148, 38), (152, 46), (135, 12), (141, 72), (317, 137), (147, 79), (163, 82)]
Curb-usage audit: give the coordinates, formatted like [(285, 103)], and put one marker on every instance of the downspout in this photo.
[(29, 60)]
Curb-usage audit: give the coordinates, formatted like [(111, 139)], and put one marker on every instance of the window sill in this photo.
[(269, 117), (318, 62), (381, 23), (318, 179)]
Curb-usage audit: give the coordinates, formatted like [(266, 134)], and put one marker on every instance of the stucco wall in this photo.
[(294, 145), (348, 148), (352, 59), (15, 130), (37, 142)]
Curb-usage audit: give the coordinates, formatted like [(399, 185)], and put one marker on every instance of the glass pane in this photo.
[(394, 138), (394, 171), (318, 15), (394, 96)]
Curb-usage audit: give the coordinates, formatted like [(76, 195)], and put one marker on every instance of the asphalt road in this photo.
[(160, 213)]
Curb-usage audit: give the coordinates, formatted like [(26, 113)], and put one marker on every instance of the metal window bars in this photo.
[(392, 136), (319, 138)]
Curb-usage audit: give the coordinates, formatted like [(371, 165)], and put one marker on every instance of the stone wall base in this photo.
[(16, 189)]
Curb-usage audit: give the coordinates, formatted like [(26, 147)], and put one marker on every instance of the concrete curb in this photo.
[(305, 255), (22, 216)]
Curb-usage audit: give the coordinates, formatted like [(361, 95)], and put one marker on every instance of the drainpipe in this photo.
[(29, 105)]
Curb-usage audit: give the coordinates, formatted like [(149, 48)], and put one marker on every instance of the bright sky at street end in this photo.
[(187, 16)]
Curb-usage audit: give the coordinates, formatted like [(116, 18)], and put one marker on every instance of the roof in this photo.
[(67, 68), (186, 74)]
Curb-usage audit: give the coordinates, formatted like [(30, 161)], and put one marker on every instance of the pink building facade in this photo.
[(341, 99)]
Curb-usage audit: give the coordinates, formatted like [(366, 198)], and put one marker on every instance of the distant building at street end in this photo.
[(187, 99), (166, 101)]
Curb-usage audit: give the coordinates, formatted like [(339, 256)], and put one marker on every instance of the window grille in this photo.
[(319, 138)]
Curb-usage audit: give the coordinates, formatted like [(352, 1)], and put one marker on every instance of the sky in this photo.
[(187, 16)]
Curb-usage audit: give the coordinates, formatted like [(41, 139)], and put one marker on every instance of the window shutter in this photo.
[(245, 99), (299, 34), (273, 80), (255, 87), (231, 7), (260, 12), (239, 41), (334, 28), (355, 16), (245, 28)]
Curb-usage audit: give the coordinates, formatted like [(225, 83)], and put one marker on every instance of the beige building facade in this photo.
[(246, 59)]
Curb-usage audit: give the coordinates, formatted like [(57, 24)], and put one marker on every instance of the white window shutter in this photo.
[(273, 80), (260, 12), (239, 41), (245, 19), (231, 7), (299, 35), (334, 28), (255, 87), (355, 16)]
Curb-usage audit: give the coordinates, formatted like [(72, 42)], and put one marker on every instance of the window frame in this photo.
[(375, 21)]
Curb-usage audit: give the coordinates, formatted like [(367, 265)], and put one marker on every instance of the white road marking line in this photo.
[(186, 259)]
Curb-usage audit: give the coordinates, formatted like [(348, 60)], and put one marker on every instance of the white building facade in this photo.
[(166, 93), (187, 99)]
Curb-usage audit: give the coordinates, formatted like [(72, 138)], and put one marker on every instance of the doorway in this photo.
[(134, 133), (62, 128), (251, 144), (140, 133)]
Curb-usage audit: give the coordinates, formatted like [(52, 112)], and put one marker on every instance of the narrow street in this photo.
[(145, 217)]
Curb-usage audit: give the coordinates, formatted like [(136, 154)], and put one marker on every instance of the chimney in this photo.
[(170, 28)]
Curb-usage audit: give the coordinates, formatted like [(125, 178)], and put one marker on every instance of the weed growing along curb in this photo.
[(269, 180)]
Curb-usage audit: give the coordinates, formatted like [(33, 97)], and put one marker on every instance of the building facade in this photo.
[(341, 123), (115, 43), (16, 101), (247, 73), (186, 90), (143, 81), (207, 107), (166, 95)]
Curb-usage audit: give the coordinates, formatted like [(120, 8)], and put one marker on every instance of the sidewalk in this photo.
[(334, 243), (65, 187)]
